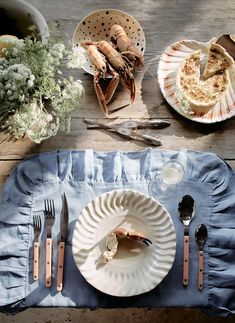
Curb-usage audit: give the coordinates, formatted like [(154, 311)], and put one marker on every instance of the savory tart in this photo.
[(217, 61), (198, 92)]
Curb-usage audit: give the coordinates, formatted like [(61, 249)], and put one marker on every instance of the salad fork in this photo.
[(50, 219), (37, 230)]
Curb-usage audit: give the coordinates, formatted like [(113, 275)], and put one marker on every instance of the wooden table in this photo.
[(163, 22)]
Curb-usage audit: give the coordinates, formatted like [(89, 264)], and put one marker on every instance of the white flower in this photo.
[(76, 58), (30, 82), (29, 77), (58, 50), (34, 121)]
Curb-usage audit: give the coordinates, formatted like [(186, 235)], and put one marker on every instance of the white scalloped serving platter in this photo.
[(96, 26), (169, 63), (136, 268)]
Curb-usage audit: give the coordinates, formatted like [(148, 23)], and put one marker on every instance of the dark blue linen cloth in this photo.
[(85, 174)]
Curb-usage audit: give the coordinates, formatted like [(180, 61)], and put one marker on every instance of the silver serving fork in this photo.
[(128, 129), (50, 219), (37, 225)]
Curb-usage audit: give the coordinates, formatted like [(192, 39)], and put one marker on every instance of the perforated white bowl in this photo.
[(96, 26)]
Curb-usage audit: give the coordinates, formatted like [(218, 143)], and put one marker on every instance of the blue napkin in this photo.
[(85, 174)]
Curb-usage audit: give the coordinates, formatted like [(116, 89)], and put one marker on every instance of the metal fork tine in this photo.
[(50, 208), (40, 223), (45, 206), (37, 231), (37, 225), (49, 218), (53, 208)]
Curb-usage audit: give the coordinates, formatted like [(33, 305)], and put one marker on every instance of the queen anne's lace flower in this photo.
[(76, 58), (33, 100)]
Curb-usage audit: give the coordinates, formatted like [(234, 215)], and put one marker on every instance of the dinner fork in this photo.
[(49, 218), (37, 230)]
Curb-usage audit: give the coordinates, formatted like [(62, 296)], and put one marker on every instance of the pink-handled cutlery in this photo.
[(50, 219), (37, 230), (62, 243), (186, 212), (201, 237)]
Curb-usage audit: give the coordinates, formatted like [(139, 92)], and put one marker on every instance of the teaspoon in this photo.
[(201, 237)]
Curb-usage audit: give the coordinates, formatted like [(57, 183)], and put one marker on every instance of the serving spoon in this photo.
[(201, 237), (186, 210)]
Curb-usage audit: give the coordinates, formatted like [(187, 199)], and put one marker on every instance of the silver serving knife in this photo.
[(63, 239), (128, 130), (186, 212)]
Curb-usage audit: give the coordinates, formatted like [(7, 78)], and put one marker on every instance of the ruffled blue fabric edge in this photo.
[(18, 196)]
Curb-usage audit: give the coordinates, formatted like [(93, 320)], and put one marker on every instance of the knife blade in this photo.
[(63, 239)]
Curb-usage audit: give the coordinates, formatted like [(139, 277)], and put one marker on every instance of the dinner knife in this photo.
[(62, 243)]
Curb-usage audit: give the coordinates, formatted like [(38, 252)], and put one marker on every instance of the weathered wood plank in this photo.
[(217, 138)]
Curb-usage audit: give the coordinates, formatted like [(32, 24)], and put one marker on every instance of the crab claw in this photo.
[(122, 233), (118, 234)]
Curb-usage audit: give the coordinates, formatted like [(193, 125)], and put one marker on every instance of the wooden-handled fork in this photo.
[(37, 230), (186, 210), (50, 219)]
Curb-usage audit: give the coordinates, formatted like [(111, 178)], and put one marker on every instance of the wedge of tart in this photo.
[(198, 92), (217, 61)]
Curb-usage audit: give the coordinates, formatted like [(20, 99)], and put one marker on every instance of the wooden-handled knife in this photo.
[(62, 243)]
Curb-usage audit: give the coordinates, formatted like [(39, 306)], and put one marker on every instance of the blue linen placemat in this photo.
[(85, 174)]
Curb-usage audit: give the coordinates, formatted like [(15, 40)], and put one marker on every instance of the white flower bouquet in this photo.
[(35, 98)]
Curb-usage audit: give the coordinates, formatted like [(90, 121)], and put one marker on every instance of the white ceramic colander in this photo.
[(96, 26)]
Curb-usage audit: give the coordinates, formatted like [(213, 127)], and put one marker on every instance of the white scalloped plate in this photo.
[(136, 268), (96, 26), (169, 63)]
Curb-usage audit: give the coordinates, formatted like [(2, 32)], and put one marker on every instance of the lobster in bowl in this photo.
[(115, 60)]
